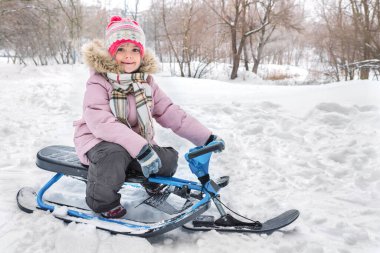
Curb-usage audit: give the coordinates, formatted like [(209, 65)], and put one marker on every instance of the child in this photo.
[(115, 135)]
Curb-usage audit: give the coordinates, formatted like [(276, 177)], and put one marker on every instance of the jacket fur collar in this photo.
[(96, 56)]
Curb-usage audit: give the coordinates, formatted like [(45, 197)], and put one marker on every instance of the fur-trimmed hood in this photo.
[(96, 56)]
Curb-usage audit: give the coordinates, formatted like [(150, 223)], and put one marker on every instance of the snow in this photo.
[(314, 148), (60, 211)]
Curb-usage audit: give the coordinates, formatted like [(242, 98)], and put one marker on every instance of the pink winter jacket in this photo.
[(98, 123)]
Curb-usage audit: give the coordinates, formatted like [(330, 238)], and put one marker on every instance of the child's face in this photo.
[(128, 57)]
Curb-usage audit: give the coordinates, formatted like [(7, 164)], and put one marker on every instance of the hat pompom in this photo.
[(115, 18)]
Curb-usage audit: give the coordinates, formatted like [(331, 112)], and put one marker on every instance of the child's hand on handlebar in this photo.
[(216, 138)]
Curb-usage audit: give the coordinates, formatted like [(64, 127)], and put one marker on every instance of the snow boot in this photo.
[(115, 213), (153, 188)]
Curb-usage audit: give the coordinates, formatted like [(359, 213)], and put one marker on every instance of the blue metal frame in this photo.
[(199, 166), (74, 213)]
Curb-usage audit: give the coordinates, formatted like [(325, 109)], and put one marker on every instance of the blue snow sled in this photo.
[(195, 198)]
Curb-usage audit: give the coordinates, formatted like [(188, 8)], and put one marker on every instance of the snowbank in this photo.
[(314, 148)]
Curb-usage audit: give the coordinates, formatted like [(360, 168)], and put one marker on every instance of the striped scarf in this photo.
[(136, 84)]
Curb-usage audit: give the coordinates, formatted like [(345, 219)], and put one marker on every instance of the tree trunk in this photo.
[(235, 66), (255, 67), (256, 61), (246, 60), (364, 72), (235, 56)]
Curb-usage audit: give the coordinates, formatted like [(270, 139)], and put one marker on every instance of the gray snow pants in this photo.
[(109, 165)]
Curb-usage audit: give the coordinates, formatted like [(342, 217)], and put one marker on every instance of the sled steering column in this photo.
[(198, 159)]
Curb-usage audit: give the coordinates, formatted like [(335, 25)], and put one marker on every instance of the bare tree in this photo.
[(352, 33), (41, 30), (25, 31), (95, 20), (129, 12), (233, 13), (365, 18), (72, 10), (271, 15), (184, 30), (173, 48)]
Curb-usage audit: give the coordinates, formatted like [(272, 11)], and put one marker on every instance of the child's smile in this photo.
[(128, 65)]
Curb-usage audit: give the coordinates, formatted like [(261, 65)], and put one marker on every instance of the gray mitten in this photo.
[(149, 161)]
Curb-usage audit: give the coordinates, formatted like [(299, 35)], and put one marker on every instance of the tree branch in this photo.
[(255, 30)]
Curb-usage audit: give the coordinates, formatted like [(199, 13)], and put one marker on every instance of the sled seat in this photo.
[(63, 159)]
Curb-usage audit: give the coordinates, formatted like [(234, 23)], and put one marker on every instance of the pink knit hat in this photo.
[(123, 30)]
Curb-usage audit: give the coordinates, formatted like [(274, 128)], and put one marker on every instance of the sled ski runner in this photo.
[(182, 201), (206, 223)]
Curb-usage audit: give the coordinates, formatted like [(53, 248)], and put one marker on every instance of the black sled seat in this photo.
[(61, 159)]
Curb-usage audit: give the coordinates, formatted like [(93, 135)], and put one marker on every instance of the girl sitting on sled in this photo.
[(115, 135)]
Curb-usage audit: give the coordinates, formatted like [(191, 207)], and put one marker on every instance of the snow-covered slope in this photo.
[(314, 148)]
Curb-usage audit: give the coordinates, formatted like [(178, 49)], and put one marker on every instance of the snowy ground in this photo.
[(313, 148)]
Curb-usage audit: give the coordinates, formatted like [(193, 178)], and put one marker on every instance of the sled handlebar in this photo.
[(216, 146)]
